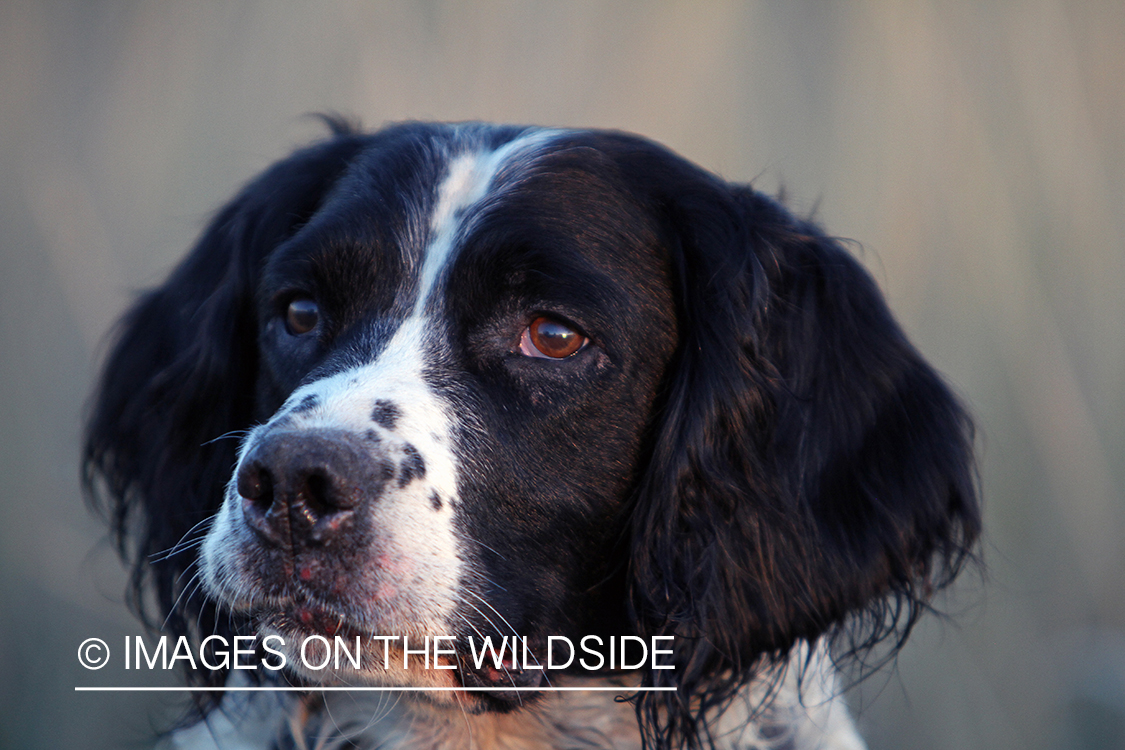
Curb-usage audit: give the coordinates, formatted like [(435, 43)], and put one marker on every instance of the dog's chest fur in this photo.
[(793, 709)]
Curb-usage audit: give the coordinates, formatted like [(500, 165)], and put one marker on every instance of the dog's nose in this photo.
[(304, 487)]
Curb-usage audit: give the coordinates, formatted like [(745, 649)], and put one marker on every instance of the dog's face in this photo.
[(512, 381), (460, 350)]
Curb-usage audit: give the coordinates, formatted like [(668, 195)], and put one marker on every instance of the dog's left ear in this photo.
[(808, 468), (178, 386)]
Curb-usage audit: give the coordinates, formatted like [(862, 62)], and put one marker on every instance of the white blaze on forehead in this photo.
[(467, 181)]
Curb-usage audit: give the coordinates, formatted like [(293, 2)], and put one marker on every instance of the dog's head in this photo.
[(472, 380)]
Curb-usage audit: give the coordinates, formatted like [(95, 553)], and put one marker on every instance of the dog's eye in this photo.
[(302, 316), (547, 338)]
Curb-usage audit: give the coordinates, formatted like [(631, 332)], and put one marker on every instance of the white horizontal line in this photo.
[(413, 689)]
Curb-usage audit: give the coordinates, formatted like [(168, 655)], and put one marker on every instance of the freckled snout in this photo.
[(305, 488)]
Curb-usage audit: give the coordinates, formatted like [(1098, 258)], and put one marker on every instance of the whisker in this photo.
[(181, 545), (227, 436), (195, 577)]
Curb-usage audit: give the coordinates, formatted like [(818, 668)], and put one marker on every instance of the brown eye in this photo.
[(302, 316), (548, 338)]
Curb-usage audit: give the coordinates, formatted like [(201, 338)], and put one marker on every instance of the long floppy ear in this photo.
[(809, 469), (179, 380)]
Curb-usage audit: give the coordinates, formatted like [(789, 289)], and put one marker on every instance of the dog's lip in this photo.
[(509, 675), (320, 621), (499, 681), (310, 617)]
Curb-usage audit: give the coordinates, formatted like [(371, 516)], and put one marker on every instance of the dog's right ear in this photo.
[(179, 380)]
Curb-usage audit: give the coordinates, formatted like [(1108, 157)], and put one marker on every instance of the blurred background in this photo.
[(975, 151)]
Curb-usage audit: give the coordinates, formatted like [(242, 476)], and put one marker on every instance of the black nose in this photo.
[(305, 487)]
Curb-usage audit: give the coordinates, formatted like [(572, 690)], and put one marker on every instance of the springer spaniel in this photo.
[(463, 381)]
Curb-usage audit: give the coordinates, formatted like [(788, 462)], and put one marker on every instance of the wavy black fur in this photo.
[(810, 473)]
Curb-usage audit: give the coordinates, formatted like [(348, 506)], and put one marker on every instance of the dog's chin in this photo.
[(303, 619), (382, 662)]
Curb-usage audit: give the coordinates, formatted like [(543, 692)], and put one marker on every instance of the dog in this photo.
[(465, 381)]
